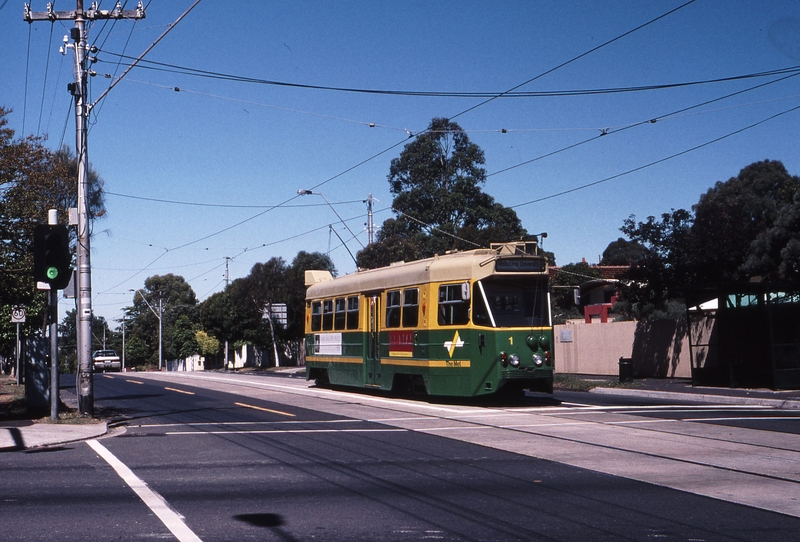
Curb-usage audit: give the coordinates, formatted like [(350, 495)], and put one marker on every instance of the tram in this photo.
[(465, 323)]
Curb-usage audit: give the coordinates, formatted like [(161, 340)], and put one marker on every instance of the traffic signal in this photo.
[(51, 256)]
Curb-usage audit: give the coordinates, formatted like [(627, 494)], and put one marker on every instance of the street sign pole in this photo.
[(54, 387), (18, 317), (19, 377)]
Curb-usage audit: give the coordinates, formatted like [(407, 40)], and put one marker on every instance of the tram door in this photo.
[(373, 358)]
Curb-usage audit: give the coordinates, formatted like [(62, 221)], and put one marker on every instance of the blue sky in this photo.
[(193, 176)]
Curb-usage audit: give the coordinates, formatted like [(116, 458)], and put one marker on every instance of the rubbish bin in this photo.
[(625, 370)]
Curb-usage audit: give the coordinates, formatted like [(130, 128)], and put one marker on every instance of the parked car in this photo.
[(106, 360)]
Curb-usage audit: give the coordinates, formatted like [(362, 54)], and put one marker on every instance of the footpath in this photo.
[(27, 434)]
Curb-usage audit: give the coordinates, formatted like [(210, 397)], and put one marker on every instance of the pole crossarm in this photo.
[(91, 14)]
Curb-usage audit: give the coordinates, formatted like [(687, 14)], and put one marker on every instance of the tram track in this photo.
[(747, 466)]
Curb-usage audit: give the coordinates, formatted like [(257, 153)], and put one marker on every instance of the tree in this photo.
[(664, 265), (103, 337), (184, 338), (622, 252), (731, 215), (237, 314), (739, 228), (436, 182), (209, 345), (175, 298), (32, 180), (775, 253), (296, 288)]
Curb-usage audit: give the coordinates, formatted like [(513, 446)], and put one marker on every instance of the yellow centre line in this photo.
[(180, 391), (245, 405), (108, 376), (134, 381)]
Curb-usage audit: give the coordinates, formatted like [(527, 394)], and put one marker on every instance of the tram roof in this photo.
[(472, 264)]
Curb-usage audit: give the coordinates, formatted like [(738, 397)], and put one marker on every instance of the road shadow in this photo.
[(273, 522)]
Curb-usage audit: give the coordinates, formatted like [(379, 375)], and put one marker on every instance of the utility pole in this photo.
[(227, 279), (78, 88), (370, 225)]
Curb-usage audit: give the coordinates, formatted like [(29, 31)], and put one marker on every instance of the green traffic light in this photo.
[(52, 272)]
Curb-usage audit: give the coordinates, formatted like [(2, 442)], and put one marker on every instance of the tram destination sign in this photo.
[(519, 265)]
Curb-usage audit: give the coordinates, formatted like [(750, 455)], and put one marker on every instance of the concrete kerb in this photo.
[(48, 434), (786, 404)]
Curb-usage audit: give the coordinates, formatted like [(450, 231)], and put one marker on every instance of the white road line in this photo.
[(285, 431), (282, 422), (169, 517)]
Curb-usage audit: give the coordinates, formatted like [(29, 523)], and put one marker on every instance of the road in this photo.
[(196, 456)]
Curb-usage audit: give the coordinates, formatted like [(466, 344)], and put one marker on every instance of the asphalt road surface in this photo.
[(243, 457)]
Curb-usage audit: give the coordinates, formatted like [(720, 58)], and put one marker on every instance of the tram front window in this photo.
[(512, 302)]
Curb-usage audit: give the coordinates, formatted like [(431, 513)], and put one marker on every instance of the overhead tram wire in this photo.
[(659, 161), (119, 63), (27, 71), (574, 59), (54, 100), (46, 73), (260, 104), (222, 205), (651, 120), (546, 72), (401, 142), (147, 50)]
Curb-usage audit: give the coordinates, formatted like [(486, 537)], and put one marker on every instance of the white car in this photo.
[(106, 360)]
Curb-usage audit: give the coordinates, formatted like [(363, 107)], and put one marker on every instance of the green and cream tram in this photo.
[(462, 324)]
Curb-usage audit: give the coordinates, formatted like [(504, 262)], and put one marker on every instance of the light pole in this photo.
[(305, 192), (157, 315)]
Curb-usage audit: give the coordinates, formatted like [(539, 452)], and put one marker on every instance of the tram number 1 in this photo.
[(511, 341)]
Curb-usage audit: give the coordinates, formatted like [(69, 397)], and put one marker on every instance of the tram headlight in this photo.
[(537, 360), (513, 359)]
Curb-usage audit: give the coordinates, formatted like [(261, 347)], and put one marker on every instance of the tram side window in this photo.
[(316, 316), (453, 310), (327, 315), (339, 314), (393, 308), (410, 307), (352, 312)]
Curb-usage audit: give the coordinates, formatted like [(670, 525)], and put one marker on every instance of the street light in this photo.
[(306, 192), (157, 315)]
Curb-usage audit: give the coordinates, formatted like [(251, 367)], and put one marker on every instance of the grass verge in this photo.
[(569, 382)]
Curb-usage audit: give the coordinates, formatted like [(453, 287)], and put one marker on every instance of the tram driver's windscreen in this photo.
[(512, 301)]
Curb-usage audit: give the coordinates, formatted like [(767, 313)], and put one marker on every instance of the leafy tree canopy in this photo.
[(237, 313), (171, 297), (33, 179), (732, 214), (623, 252), (740, 228), (436, 182)]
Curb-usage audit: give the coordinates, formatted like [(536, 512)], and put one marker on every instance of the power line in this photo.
[(44, 84), (386, 150), (651, 120), (224, 205), (575, 59), (659, 161), (181, 70)]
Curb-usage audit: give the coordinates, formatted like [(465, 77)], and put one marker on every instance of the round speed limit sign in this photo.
[(18, 315)]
